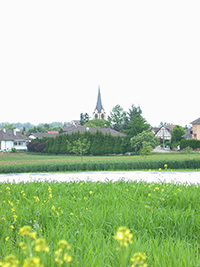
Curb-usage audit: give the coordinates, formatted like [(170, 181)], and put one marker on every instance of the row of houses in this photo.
[(13, 139)]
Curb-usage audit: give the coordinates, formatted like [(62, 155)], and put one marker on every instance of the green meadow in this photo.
[(78, 224), (27, 162)]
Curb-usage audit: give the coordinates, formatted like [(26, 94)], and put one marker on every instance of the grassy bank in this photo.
[(26, 162), (163, 220)]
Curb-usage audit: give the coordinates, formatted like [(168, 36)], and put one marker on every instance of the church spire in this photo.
[(99, 103), (99, 112)]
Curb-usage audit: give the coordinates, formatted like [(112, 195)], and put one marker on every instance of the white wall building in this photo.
[(10, 139)]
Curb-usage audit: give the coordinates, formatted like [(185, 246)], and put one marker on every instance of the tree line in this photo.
[(82, 143)]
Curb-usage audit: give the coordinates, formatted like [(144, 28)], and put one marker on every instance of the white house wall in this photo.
[(166, 134), (7, 145)]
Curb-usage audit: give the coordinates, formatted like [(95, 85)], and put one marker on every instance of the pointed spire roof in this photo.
[(99, 103)]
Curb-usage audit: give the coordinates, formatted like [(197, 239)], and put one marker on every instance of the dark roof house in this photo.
[(68, 129), (10, 139)]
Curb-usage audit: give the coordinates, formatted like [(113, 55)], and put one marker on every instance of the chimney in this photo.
[(4, 129), (14, 131)]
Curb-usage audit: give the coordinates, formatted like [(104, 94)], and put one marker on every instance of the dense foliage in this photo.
[(99, 144), (193, 143)]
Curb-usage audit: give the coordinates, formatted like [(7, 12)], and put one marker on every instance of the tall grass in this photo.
[(163, 218)]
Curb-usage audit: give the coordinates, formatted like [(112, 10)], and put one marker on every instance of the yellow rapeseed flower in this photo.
[(32, 262), (53, 207), (40, 245), (24, 230), (138, 259), (10, 261), (32, 235), (36, 199), (123, 236)]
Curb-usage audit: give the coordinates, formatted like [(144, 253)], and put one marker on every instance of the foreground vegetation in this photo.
[(27, 162), (78, 224)]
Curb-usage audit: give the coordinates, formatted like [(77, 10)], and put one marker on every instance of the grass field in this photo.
[(34, 158), (163, 220), (27, 162)]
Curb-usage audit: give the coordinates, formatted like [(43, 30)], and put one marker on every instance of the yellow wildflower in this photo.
[(11, 203), (32, 262), (165, 166), (40, 245), (138, 259), (123, 236), (12, 227), (160, 169), (149, 194), (24, 230), (53, 207), (10, 261), (63, 244), (7, 188), (32, 235), (7, 238), (36, 199), (71, 213), (67, 258), (90, 192)]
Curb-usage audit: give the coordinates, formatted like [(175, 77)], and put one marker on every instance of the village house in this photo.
[(12, 139), (164, 132), (196, 129)]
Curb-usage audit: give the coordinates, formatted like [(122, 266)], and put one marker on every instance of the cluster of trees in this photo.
[(30, 128), (82, 144)]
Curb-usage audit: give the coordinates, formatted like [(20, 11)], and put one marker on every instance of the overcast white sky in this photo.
[(55, 54)]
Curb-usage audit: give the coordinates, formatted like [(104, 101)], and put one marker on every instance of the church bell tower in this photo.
[(99, 112)]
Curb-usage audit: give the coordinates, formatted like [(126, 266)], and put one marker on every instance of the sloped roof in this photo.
[(8, 135), (188, 134), (195, 121), (41, 135), (72, 129)]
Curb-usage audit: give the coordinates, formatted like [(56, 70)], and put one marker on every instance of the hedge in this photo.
[(144, 164)]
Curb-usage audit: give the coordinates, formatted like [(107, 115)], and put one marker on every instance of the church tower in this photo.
[(99, 112)]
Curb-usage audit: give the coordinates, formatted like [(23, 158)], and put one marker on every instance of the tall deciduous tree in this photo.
[(117, 118), (145, 136), (177, 133)]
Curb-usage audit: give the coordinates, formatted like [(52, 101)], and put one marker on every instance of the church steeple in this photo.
[(99, 103), (99, 112)]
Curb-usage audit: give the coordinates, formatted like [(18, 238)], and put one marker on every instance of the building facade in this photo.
[(99, 112), (10, 139), (196, 129)]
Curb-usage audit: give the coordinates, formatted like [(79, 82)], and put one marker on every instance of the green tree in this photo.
[(117, 118), (136, 123), (96, 123), (145, 136), (146, 148), (176, 135), (80, 146)]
